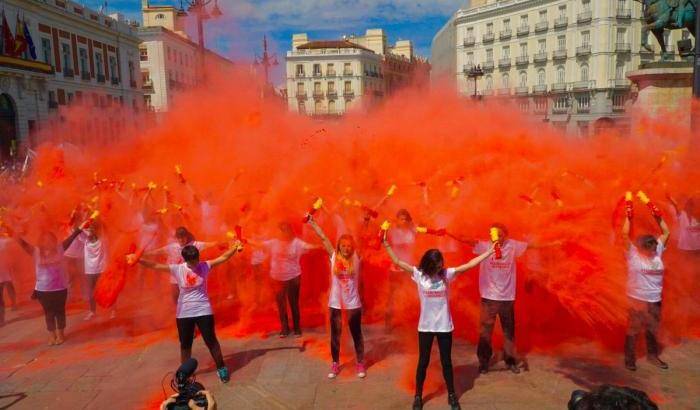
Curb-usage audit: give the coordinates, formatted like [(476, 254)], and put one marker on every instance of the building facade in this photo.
[(563, 60), (80, 57), (331, 77), (170, 60)]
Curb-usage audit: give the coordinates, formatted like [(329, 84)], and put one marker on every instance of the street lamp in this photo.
[(266, 61), (475, 72), (198, 8)]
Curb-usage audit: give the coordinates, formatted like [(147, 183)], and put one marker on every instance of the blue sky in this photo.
[(238, 34)]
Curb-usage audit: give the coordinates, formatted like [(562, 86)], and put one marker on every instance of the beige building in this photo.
[(563, 60), (82, 57), (330, 77), (170, 60)]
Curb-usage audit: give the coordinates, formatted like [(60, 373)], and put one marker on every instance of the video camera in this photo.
[(187, 387)]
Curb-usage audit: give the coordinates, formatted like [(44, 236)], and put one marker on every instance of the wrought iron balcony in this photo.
[(522, 60), (331, 94), (503, 91), (348, 94), (584, 17), (488, 65), (469, 41), (521, 90), (505, 34), (621, 83), (540, 57), (301, 95), (300, 75), (623, 47), (467, 67), (504, 62), (583, 85), (100, 78), (561, 22), (523, 30), (318, 94), (558, 87), (559, 54), (624, 14), (541, 26), (488, 37), (85, 75), (583, 50), (539, 89)]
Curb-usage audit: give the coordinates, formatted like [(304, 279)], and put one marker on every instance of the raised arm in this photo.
[(327, 245), (674, 204), (236, 247), (26, 246), (154, 265), (475, 261), (665, 231), (398, 262), (69, 240), (626, 227)]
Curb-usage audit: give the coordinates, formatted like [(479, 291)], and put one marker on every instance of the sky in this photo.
[(238, 33)]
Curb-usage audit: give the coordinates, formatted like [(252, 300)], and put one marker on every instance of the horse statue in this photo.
[(667, 14)]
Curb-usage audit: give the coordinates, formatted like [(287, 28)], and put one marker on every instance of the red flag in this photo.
[(20, 41), (8, 44)]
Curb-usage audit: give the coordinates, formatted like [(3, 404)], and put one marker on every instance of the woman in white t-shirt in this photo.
[(344, 295), (432, 281), (95, 258), (193, 305), (645, 275)]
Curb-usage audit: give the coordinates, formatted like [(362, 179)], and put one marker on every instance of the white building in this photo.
[(330, 77), (81, 57), (564, 60)]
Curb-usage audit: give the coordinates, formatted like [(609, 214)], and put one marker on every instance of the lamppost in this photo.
[(266, 61), (474, 73), (198, 8)]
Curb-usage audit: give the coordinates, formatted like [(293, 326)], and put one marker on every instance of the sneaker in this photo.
[(417, 403), (89, 316), (655, 361), (453, 402), (223, 374), (297, 334), (335, 369), (283, 335), (630, 366), (361, 371)]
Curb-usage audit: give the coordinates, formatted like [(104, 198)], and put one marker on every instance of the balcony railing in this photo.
[(488, 37), (583, 85), (523, 30), (331, 94), (348, 94), (558, 87), (522, 60), (300, 75), (583, 50), (503, 91), (584, 17), (541, 26), (540, 57), (521, 90), (317, 74), (53, 104), (331, 73), (115, 81), (467, 67), (540, 109), (318, 94), (85, 75), (559, 54), (488, 65), (469, 41), (619, 83), (488, 91), (301, 95), (561, 22), (623, 47), (624, 13), (504, 62), (348, 73), (560, 110), (100, 78), (505, 34), (539, 89)]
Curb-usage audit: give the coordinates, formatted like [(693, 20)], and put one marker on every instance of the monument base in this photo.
[(663, 88)]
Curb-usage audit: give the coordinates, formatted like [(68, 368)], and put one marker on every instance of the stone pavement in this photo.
[(108, 365)]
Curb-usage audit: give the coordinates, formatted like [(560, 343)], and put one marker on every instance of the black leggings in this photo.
[(185, 331), (425, 344), (91, 284), (54, 304), (288, 290), (354, 322)]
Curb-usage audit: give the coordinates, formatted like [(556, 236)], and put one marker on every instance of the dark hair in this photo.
[(648, 242), (500, 226), (190, 253), (404, 212), (346, 237), (182, 232), (432, 264), (609, 397)]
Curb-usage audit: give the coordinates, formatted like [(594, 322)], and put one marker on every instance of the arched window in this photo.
[(160, 16), (523, 79), (541, 77), (506, 81), (489, 82), (561, 74), (584, 72)]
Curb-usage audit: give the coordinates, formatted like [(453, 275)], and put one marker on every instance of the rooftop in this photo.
[(319, 44)]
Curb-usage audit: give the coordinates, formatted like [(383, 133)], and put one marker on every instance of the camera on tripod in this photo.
[(187, 388)]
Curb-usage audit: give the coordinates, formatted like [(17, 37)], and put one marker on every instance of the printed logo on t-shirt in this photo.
[(497, 264), (653, 271), (435, 293)]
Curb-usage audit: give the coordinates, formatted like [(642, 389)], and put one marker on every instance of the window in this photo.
[(347, 69), (621, 36), (506, 24), (561, 75), (331, 87), (302, 107), (317, 88), (523, 49), (562, 12), (170, 56), (348, 87), (300, 70), (143, 54), (618, 101), (621, 4), (470, 58), (620, 71), (506, 52), (523, 79), (586, 5), (46, 51), (583, 101), (318, 107), (561, 43), (585, 38), (667, 40), (542, 45), (331, 106), (584, 72), (83, 60), (470, 32), (160, 16), (489, 28), (541, 77), (505, 80), (99, 64), (300, 88), (523, 21), (67, 60), (330, 69), (113, 67), (543, 16), (317, 70), (489, 82), (131, 72), (489, 54)]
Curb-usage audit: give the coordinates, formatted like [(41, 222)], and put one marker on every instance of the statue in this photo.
[(667, 14)]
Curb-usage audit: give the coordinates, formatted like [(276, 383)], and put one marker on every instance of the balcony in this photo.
[(558, 87), (560, 110), (348, 73), (67, 72), (318, 94), (559, 54), (540, 57), (624, 14), (348, 94), (561, 22), (488, 65), (147, 86), (100, 78), (523, 30), (583, 85), (301, 95), (522, 60), (583, 50), (331, 73), (584, 17), (521, 90), (541, 26), (504, 63), (505, 34), (623, 47), (503, 91), (317, 74), (332, 94), (85, 75), (469, 41), (620, 83), (300, 75), (53, 104), (488, 37), (539, 89), (115, 81), (487, 91)]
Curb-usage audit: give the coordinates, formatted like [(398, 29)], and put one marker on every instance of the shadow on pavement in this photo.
[(15, 397)]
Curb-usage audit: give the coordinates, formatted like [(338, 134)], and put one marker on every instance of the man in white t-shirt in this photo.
[(645, 276)]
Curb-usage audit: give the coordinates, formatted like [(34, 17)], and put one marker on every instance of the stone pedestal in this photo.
[(663, 87)]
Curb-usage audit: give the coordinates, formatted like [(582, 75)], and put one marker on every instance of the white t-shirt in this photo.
[(689, 233), (645, 276), (285, 257), (402, 241), (95, 257), (344, 292), (434, 302), (50, 275), (5, 265), (75, 250), (497, 276), (194, 299), (174, 252)]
